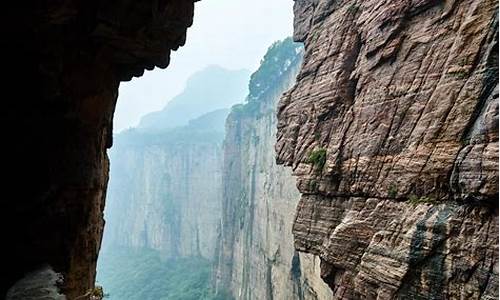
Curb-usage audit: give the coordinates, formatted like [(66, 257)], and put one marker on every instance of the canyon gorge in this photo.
[(211, 192), (256, 258), (359, 161)]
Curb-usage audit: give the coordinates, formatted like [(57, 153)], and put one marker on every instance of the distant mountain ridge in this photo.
[(207, 127), (210, 89)]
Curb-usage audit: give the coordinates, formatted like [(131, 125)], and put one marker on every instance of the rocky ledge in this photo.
[(65, 60), (391, 131)]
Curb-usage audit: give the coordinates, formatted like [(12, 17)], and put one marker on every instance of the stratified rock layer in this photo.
[(64, 61), (256, 258), (392, 133)]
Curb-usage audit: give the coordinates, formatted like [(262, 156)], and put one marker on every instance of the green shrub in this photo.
[(458, 74), (415, 200), (392, 192), (276, 62), (318, 158), (353, 8)]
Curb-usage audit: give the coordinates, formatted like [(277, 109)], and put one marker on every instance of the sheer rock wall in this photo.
[(391, 131), (166, 195), (256, 258)]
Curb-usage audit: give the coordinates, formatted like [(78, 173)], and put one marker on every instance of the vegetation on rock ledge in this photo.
[(278, 62), (318, 158), (392, 191), (415, 200)]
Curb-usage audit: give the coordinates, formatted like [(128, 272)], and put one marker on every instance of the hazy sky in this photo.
[(234, 34)]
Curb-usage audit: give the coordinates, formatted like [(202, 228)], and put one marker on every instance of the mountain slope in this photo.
[(210, 89)]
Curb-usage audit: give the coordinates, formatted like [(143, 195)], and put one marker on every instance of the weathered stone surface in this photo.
[(256, 258), (380, 248), (64, 61), (401, 97), (37, 285)]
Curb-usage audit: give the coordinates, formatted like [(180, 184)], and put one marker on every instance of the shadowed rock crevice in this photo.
[(65, 61)]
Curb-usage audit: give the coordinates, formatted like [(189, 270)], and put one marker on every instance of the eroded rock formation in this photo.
[(64, 61), (256, 258), (392, 133)]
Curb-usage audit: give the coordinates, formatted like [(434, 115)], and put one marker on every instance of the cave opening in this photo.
[(165, 194), (364, 153)]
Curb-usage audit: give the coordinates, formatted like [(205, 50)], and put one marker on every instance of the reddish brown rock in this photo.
[(401, 98), (63, 62)]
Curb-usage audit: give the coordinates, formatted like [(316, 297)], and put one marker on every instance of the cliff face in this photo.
[(65, 61), (166, 188), (256, 258), (391, 131)]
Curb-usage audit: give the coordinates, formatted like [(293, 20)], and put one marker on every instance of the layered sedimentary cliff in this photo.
[(391, 131), (256, 258), (65, 60), (166, 188)]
